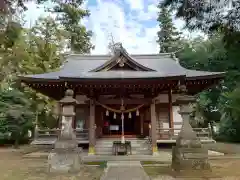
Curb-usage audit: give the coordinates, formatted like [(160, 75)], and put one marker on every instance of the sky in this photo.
[(131, 22)]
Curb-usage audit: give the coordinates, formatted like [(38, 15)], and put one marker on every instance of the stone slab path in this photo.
[(124, 170)]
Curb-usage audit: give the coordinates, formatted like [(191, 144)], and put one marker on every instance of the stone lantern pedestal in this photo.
[(65, 156), (188, 154)]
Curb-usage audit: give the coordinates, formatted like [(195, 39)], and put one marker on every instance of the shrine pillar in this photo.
[(153, 128), (170, 109), (92, 128), (141, 122)]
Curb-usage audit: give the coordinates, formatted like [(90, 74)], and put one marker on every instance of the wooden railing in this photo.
[(171, 133), (54, 133)]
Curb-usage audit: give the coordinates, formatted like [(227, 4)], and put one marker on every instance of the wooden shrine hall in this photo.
[(122, 95)]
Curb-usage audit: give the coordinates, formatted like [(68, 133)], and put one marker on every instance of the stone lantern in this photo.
[(66, 154), (188, 154), (68, 113)]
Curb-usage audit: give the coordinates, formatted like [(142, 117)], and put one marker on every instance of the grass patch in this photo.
[(154, 171), (101, 164), (150, 162)]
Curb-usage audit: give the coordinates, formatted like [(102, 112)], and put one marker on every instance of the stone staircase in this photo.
[(139, 146)]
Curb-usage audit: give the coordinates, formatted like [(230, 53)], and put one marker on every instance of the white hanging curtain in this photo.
[(107, 113), (137, 112)]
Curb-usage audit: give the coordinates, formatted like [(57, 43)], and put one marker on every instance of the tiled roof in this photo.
[(162, 65)]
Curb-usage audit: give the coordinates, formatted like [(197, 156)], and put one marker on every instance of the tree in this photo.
[(209, 16), (46, 44), (16, 114), (205, 55), (70, 15), (213, 105), (168, 37), (37, 50), (230, 121)]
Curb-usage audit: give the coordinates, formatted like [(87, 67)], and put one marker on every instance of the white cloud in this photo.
[(136, 4), (109, 18), (133, 34), (136, 30), (34, 12)]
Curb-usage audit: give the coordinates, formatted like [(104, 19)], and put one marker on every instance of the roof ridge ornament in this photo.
[(117, 47), (173, 55)]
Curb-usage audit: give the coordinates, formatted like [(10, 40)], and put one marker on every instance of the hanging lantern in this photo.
[(107, 113), (122, 116), (137, 112), (114, 116), (129, 115)]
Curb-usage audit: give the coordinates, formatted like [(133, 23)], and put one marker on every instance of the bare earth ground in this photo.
[(221, 169), (227, 148), (14, 167)]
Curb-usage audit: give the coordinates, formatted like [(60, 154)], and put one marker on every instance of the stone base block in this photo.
[(64, 162), (190, 159)]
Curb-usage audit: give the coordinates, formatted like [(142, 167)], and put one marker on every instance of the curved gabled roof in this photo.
[(150, 65)]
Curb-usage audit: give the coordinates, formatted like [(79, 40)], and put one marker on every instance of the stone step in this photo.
[(133, 144), (133, 152), (143, 152), (132, 140), (110, 143), (139, 146), (133, 147), (136, 141), (109, 151)]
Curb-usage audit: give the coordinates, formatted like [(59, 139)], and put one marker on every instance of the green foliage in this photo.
[(219, 103), (208, 16), (230, 121), (168, 37), (70, 15), (46, 41), (32, 51), (16, 114)]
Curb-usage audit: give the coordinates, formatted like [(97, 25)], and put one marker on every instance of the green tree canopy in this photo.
[(168, 36)]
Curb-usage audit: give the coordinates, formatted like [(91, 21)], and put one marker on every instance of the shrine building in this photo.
[(123, 95)]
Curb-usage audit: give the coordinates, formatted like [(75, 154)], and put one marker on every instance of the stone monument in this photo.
[(65, 156), (188, 154)]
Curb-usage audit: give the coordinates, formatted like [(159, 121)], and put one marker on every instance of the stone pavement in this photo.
[(124, 170)]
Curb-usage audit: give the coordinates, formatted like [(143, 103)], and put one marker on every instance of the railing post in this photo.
[(210, 131), (92, 129), (36, 132), (36, 127)]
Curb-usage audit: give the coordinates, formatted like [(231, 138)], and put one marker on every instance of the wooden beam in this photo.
[(126, 101), (170, 109)]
